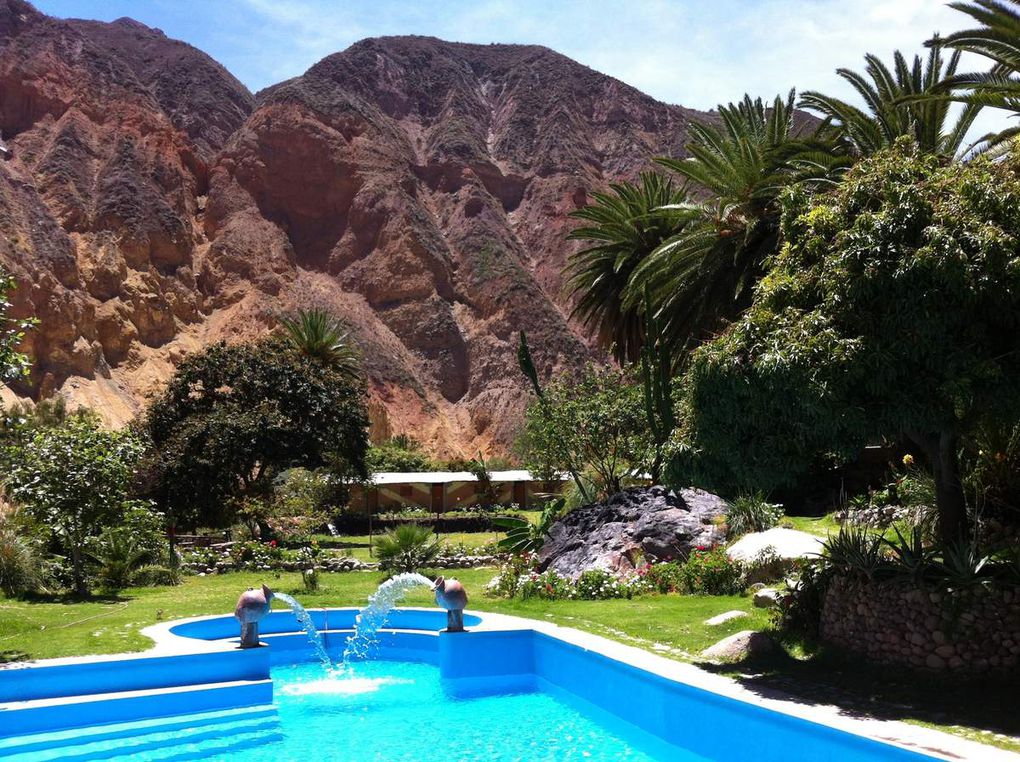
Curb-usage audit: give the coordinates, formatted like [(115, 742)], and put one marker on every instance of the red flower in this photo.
[(272, 543)]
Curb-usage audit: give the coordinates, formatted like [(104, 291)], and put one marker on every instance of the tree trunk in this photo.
[(942, 450), (81, 587)]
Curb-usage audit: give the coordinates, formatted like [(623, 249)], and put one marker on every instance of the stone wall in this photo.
[(894, 622)]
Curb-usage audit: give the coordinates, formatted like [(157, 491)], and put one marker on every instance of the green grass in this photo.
[(46, 628), (670, 624), (822, 526)]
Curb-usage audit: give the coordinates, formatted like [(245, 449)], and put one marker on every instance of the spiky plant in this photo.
[(407, 548), (902, 100), (317, 334)]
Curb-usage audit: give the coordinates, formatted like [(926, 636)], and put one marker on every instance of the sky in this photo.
[(696, 53)]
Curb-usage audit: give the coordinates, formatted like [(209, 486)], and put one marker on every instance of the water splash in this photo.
[(314, 636), (374, 616)]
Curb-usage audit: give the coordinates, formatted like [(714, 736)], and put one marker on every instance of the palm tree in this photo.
[(703, 273), (624, 227), (998, 39), (318, 334), (906, 100)]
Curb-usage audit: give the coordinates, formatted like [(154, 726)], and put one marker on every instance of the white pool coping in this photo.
[(897, 733)]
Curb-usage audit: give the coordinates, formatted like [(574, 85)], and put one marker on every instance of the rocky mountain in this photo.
[(418, 188)]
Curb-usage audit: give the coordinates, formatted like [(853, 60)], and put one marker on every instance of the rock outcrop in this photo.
[(638, 525), (418, 188)]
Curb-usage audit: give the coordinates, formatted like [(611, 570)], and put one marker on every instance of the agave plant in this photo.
[(854, 551), (407, 548), (911, 554), (963, 564), (318, 334)]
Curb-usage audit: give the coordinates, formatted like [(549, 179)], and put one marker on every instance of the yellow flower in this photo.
[(908, 459)]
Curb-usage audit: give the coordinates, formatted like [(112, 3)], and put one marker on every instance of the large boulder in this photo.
[(639, 524), (787, 544), (739, 646)]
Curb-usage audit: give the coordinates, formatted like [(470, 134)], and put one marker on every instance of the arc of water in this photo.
[(314, 636), (375, 615)]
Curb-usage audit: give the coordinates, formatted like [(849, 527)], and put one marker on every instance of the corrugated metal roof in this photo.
[(445, 477)]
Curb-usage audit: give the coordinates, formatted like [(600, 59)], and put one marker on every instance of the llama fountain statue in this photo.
[(451, 595), (252, 606)]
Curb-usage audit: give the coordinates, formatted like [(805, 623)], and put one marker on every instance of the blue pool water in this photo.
[(383, 711)]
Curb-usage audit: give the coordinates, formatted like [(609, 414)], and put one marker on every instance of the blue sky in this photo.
[(693, 52)]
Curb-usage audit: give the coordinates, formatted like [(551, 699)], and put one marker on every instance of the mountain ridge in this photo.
[(418, 188)]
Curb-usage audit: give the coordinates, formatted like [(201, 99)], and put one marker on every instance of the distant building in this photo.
[(441, 491)]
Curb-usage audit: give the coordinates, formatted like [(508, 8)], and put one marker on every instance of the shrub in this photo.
[(255, 555), (800, 611), (752, 513), (711, 572), (21, 566), (120, 555), (524, 537), (156, 575), (407, 548), (504, 584), (548, 586), (664, 577), (74, 479)]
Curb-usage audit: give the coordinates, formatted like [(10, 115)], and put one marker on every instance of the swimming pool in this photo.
[(508, 689)]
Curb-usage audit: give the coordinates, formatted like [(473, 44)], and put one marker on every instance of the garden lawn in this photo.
[(45, 628)]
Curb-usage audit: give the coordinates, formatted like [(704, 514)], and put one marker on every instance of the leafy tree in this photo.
[(893, 310), (906, 100), (233, 417), (318, 334), (594, 423), (74, 478), (623, 228), (13, 364)]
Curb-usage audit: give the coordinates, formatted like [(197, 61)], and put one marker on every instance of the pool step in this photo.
[(161, 740), (43, 715)]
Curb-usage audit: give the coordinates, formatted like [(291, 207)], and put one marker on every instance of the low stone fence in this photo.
[(895, 622)]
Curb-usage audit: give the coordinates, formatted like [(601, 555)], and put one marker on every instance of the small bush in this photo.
[(254, 555), (504, 584), (664, 577), (407, 548), (599, 584), (711, 572), (800, 611), (120, 555), (752, 513), (155, 575), (548, 586), (22, 569)]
